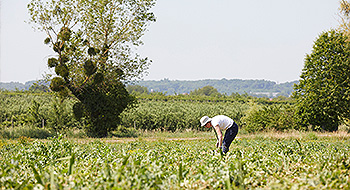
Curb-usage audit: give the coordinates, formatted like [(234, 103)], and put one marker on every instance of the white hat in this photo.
[(204, 120)]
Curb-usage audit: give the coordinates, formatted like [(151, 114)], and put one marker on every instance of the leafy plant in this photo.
[(269, 117), (93, 41), (252, 163), (323, 92)]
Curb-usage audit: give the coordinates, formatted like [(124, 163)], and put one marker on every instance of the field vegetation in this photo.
[(159, 145), (42, 115), (266, 161), (22, 113), (153, 139)]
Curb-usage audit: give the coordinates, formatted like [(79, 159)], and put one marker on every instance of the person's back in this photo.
[(223, 121)]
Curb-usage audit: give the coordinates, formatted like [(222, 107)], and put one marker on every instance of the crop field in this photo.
[(253, 162)]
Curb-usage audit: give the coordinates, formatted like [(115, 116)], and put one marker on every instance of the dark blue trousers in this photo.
[(230, 134)]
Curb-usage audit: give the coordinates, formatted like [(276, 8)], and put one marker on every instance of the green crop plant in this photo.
[(252, 163), (178, 115)]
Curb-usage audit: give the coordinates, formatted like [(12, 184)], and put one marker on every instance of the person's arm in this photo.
[(219, 133)]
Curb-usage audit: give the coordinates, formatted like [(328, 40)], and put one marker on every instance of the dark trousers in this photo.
[(230, 134)]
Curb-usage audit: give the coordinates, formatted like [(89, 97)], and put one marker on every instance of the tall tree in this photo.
[(94, 42), (323, 92), (345, 17)]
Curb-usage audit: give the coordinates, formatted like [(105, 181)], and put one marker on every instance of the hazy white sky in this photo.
[(195, 39)]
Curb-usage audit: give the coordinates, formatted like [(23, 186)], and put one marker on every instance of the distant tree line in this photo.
[(13, 86), (258, 88)]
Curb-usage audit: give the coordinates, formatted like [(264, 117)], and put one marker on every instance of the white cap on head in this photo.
[(204, 120)]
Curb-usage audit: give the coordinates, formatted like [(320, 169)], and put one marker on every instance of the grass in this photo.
[(308, 135), (177, 134), (123, 134), (132, 134), (191, 135), (159, 160), (25, 131)]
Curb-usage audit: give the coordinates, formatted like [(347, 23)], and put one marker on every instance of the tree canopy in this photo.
[(94, 43), (323, 92), (206, 91)]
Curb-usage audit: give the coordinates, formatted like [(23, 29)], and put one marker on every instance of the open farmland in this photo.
[(254, 162)]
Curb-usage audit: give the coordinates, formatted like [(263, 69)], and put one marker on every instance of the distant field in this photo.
[(167, 161)]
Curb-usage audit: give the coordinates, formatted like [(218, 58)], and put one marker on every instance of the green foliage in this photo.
[(52, 62), (42, 111), (154, 111), (206, 91), (63, 59), (65, 34), (89, 67), (102, 107), (224, 86), (269, 117), (92, 51), (39, 87), (57, 84), (62, 70), (15, 86), (78, 110), (34, 114), (61, 116), (252, 163), (323, 92), (178, 115), (123, 132), (26, 131), (77, 31), (58, 46), (47, 40), (103, 31), (98, 78), (345, 17), (137, 89)]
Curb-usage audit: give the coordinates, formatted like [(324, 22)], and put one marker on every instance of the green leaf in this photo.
[(37, 175), (71, 163)]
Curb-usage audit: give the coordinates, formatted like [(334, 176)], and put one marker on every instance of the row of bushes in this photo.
[(177, 115), (50, 113), (174, 115), (42, 110)]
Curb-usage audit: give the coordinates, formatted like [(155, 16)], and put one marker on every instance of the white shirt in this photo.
[(223, 121)]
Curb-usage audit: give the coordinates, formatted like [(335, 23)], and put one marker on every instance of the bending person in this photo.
[(221, 123)]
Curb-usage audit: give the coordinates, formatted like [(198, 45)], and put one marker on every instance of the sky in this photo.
[(194, 39)]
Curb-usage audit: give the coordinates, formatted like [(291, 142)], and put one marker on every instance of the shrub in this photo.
[(25, 131), (268, 117)]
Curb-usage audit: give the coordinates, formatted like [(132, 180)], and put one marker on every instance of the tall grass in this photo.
[(25, 131), (253, 162)]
